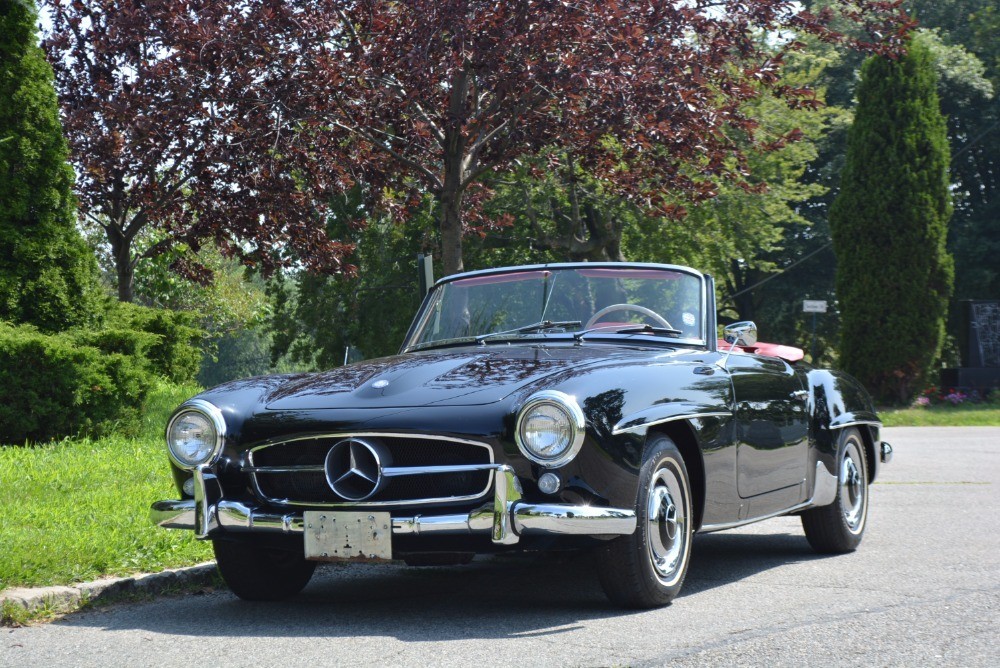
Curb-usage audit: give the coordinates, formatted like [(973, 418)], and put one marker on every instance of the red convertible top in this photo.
[(787, 353)]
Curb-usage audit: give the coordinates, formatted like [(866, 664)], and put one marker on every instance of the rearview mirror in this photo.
[(741, 333)]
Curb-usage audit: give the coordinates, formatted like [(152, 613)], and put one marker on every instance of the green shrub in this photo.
[(48, 275), (54, 385), (993, 398), (176, 354)]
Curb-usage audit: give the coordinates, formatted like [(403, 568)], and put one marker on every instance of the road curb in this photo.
[(61, 599)]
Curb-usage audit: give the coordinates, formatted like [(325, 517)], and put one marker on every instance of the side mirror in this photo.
[(741, 333)]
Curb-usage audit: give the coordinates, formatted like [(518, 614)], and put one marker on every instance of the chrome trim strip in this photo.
[(396, 471), (416, 470), (709, 528), (282, 469), (506, 519), (688, 416), (388, 471), (857, 423)]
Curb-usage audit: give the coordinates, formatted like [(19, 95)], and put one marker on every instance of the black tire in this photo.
[(840, 526), (257, 573), (647, 568)]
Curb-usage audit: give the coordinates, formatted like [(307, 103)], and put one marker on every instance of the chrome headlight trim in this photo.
[(214, 415), (569, 407)]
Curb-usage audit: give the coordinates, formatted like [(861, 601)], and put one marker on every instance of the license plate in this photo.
[(348, 536)]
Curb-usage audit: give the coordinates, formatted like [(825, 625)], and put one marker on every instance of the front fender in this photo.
[(838, 401), (679, 410)]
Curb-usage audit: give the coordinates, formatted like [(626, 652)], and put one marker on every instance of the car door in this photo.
[(771, 424)]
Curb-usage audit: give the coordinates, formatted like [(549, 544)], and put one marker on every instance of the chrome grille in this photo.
[(422, 470)]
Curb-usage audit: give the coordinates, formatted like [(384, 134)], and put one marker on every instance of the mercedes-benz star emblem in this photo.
[(354, 468)]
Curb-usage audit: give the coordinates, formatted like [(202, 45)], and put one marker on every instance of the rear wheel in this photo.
[(256, 573), (647, 568), (839, 527)]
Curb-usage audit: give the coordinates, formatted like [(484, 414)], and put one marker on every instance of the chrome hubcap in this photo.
[(853, 488), (667, 526)]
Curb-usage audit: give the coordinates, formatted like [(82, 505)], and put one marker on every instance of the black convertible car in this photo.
[(530, 408)]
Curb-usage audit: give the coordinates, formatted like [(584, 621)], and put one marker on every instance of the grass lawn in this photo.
[(75, 510), (968, 415)]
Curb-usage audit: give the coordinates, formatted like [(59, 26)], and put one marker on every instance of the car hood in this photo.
[(463, 377)]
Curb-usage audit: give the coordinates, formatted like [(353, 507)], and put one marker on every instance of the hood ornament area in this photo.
[(354, 468)]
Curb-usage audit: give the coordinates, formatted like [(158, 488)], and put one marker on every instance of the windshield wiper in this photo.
[(634, 329), (534, 327), (648, 329)]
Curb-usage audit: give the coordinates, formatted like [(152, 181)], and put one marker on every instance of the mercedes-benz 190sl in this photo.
[(546, 407)]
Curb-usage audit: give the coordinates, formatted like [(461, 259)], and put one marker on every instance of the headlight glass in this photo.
[(194, 435), (550, 428), (546, 431)]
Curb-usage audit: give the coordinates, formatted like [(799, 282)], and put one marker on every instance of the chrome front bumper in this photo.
[(506, 519)]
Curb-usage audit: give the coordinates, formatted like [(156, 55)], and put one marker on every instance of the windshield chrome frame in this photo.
[(707, 302)]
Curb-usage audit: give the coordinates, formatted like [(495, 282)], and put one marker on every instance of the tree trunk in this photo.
[(121, 250), (743, 303), (451, 233), (450, 197)]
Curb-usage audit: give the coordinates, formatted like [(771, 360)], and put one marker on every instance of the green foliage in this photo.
[(47, 275), (89, 380), (889, 226), (77, 510), (237, 355), (317, 317), (174, 354), (942, 416), (233, 301), (55, 385)]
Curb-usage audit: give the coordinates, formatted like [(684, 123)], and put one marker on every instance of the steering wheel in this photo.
[(649, 313)]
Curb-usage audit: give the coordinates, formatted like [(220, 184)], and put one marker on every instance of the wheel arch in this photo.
[(683, 436), (869, 438)]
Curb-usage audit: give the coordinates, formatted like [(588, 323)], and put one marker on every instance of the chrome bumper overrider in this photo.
[(506, 519), (886, 453)]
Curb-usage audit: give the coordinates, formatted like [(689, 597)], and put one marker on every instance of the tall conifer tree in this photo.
[(48, 275), (889, 225)]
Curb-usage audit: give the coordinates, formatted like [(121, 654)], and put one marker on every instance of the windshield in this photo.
[(553, 300)]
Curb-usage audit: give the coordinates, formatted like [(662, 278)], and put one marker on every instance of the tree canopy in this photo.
[(176, 131), (433, 95)]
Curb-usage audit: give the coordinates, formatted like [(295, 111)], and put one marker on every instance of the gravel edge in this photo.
[(62, 599)]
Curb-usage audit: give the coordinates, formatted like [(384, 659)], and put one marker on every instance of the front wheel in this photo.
[(256, 573), (647, 568), (839, 527)]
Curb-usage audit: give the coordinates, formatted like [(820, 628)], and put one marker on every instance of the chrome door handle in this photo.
[(799, 395)]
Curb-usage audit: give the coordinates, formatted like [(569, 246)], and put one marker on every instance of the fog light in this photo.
[(188, 487), (548, 483)]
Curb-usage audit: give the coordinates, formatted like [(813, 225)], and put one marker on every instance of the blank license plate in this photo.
[(348, 536)]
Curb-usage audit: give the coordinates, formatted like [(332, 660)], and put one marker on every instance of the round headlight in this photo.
[(195, 434), (550, 428)]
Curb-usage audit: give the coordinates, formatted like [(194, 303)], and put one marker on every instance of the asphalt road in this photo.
[(923, 589)]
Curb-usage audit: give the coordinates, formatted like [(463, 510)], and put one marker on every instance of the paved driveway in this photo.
[(923, 589)]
